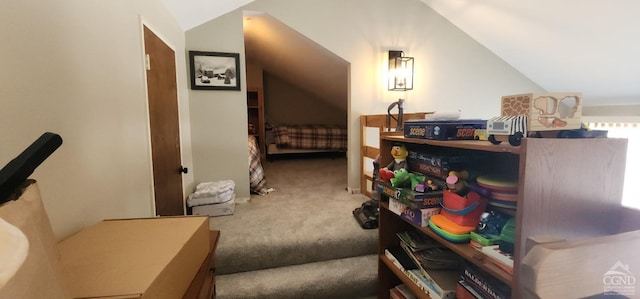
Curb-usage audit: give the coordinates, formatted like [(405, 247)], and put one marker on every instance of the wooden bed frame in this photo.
[(273, 150), (369, 152)]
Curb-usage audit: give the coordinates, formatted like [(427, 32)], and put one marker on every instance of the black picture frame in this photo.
[(214, 70)]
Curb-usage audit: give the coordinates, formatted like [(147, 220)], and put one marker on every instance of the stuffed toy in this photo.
[(455, 181), (399, 153), (385, 174), (403, 178), (400, 178), (416, 179)]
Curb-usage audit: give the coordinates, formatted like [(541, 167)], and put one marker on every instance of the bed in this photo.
[(291, 139), (257, 181)]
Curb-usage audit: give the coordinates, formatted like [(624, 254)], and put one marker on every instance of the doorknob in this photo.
[(183, 169)]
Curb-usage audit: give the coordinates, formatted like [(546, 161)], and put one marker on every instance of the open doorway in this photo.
[(302, 84)]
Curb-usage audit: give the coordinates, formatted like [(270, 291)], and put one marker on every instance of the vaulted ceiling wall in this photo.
[(570, 45)]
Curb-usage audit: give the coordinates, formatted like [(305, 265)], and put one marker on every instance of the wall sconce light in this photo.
[(400, 71)]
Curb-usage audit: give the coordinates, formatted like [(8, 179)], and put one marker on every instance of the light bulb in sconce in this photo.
[(400, 71)]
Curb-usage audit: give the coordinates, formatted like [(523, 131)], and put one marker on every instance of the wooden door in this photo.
[(164, 124)]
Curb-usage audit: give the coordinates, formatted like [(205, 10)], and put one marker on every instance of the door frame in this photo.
[(145, 23)]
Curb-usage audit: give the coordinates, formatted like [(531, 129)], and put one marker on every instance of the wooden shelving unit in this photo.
[(557, 196), (369, 152), (255, 116)]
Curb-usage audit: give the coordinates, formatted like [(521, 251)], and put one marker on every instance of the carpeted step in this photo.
[(354, 277), (275, 233)]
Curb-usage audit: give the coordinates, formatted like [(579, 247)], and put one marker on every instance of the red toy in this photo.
[(386, 174)]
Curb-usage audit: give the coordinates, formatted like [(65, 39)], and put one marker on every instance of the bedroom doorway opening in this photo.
[(164, 125), (303, 84)]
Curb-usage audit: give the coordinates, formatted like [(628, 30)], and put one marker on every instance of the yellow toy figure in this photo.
[(399, 153)]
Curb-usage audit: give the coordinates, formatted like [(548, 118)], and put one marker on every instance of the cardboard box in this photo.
[(545, 111), (41, 274), (443, 129), (419, 216), (216, 209), (135, 258)]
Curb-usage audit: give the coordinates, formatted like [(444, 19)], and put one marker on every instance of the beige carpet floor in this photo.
[(306, 218)]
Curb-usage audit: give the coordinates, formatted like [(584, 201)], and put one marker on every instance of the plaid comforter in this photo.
[(311, 137), (257, 181)]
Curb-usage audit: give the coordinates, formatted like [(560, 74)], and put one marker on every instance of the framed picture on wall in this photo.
[(214, 70)]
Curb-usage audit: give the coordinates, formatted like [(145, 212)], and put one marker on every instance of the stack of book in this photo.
[(427, 253), (495, 255), (417, 240), (482, 285), (401, 292), (438, 284), (433, 268), (498, 257)]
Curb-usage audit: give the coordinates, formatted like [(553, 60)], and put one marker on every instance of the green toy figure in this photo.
[(403, 178), (400, 178)]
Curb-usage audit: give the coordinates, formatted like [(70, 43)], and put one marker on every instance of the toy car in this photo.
[(480, 134), (507, 128)]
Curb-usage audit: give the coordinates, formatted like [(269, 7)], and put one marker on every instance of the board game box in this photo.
[(462, 129)]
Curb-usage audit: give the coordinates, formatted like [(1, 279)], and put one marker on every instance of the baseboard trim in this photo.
[(243, 199), (353, 190)]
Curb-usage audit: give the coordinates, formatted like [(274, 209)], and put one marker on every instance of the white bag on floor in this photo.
[(213, 198), (212, 193), (216, 209)]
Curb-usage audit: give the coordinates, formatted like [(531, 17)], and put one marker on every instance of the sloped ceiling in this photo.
[(295, 59), (589, 46), (191, 13)]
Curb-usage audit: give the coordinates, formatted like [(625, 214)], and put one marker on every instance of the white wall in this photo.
[(75, 68), (452, 71), (219, 117)]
